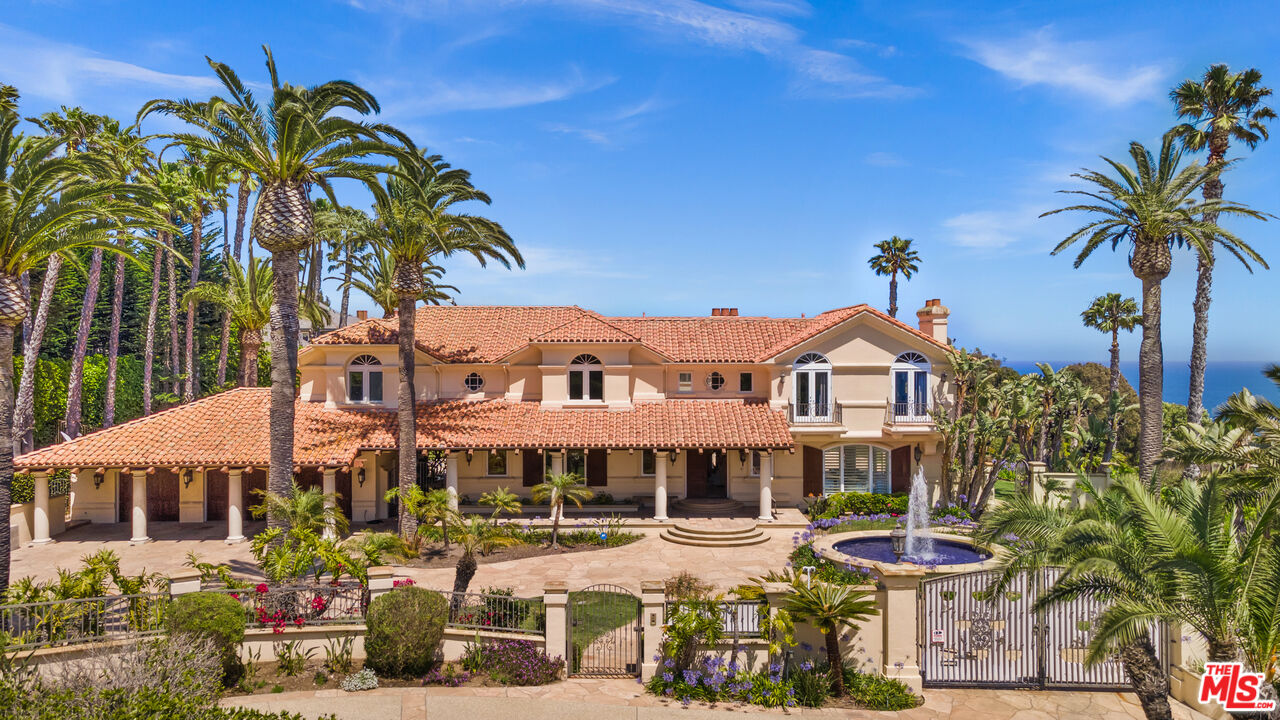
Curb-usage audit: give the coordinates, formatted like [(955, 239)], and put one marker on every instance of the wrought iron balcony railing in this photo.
[(908, 413), (808, 413)]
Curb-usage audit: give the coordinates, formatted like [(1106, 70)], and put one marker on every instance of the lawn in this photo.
[(595, 613)]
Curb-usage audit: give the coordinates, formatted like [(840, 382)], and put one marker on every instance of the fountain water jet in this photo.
[(919, 542)]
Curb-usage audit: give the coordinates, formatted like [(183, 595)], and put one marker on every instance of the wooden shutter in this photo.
[(812, 471), (597, 468), (533, 472), (695, 474), (216, 495), (900, 470)]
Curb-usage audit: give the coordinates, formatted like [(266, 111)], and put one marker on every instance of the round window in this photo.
[(715, 381), (473, 382)]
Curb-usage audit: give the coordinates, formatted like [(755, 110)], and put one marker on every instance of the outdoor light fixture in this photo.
[(99, 477), (898, 538), (742, 456), (187, 477), (919, 453), (360, 476)]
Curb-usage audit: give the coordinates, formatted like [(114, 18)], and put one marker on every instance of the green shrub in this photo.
[(215, 616), (877, 692), (812, 685), (404, 630), (852, 503)]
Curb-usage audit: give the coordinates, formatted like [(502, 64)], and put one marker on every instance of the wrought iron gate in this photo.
[(604, 632), (972, 637)]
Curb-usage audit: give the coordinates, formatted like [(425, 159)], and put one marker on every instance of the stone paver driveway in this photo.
[(581, 699)]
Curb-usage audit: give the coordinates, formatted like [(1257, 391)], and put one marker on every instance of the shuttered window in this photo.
[(855, 468)]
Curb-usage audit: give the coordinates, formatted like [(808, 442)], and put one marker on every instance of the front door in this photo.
[(707, 475), (900, 470), (695, 479)]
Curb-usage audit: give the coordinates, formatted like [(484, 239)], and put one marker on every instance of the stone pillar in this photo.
[(653, 598), (183, 582), (139, 508), (659, 485), (235, 511), (557, 462), (766, 487), (555, 597), (330, 500), (901, 623), (40, 519), (451, 479), (381, 581), (1037, 470)]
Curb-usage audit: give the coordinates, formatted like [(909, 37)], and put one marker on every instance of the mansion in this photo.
[(759, 410)]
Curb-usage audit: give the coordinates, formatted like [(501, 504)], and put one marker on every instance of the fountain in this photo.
[(919, 543)]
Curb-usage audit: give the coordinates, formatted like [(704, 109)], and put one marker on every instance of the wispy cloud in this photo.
[(493, 94), (991, 229), (1038, 58), (609, 128), (64, 73), (884, 159)]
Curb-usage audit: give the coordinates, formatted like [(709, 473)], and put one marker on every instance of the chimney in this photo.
[(724, 312), (362, 314), (933, 319)]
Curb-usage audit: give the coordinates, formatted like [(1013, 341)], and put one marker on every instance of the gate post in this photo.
[(555, 597), (901, 624), (653, 616)]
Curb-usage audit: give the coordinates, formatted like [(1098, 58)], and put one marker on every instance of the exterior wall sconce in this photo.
[(468, 458), (671, 458), (919, 452), (99, 477), (360, 476), (742, 456), (187, 477)]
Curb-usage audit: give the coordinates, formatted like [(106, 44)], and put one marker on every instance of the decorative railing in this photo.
[(502, 613), (739, 619), (804, 413), (908, 413), (298, 605), (83, 620)]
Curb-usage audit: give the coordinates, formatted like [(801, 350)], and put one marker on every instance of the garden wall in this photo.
[(22, 517)]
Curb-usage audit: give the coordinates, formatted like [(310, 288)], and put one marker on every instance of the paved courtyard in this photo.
[(582, 699)]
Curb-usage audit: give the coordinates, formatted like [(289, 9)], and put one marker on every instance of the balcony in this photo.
[(806, 413), (908, 413)]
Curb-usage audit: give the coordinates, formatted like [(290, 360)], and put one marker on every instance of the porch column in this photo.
[(40, 519), (139, 508), (451, 479), (235, 515), (659, 485), (557, 462), (766, 486), (330, 502)]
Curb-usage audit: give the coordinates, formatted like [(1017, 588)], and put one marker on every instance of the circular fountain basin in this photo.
[(873, 549), (880, 549)]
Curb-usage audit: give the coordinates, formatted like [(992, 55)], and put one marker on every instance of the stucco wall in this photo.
[(96, 505)]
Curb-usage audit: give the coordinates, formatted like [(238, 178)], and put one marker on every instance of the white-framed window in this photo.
[(855, 468), (497, 463), (910, 390), (648, 462), (685, 382), (586, 378), (473, 382), (812, 391), (715, 380), (746, 382), (755, 463), (364, 380)]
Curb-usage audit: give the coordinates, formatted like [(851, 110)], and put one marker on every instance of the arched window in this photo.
[(364, 380), (586, 378), (855, 468), (715, 381), (473, 382), (910, 374), (812, 399)]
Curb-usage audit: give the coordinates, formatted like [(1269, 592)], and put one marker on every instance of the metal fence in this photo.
[(739, 619), (503, 613), (300, 604), (82, 620)]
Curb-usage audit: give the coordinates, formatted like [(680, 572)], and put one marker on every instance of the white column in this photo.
[(330, 487), (451, 479), (766, 486), (557, 463), (659, 485), (235, 514), (40, 520), (139, 508)]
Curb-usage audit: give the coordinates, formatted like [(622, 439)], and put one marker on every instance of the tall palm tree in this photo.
[(244, 186), (416, 223), (554, 491), (300, 138), (1147, 207), (309, 510), (895, 256), (1111, 313), (205, 183), (1220, 107), (831, 608), (346, 231), (49, 205), (168, 182), (374, 275)]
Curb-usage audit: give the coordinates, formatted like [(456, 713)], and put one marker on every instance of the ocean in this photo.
[(1221, 379)]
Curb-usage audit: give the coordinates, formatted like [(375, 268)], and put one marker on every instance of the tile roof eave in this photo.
[(777, 351)]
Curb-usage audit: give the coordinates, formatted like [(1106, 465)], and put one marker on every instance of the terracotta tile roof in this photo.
[(488, 333), (231, 428)]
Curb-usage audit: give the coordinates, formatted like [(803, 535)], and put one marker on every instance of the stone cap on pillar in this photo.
[(555, 592), (182, 582), (653, 590)]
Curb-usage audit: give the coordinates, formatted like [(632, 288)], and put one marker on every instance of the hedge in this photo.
[(859, 504)]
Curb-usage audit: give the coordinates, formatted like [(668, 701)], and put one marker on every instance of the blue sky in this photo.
[(750, 151)]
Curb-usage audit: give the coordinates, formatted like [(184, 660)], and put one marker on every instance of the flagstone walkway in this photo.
[(582, 699)]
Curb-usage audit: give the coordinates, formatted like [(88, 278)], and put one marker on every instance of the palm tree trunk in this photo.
[(113, 343), (24, 414), (407, 415), (1147, 677), (835, 661), (174, 359), (197, 249), (893, 294), (348, 268), (1150, 383), (224, 340), (149, 349), (250, 341), (242, 209), (556, 509), (75, 383), (6, 449), (1113, 389), (284, 371), (1219, 139), (462, 574)]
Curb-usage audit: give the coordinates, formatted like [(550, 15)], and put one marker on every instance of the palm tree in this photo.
[(502, 501), (895, 256), (374, 275), (1147, 208), (830, 608), (244, 187), (168, 182), (308, 510), (477, 535), (205, 184), (1112, 313), (345, 229), (428, 507), (416, 222), (554, 491), (247, 298), (50, 206), (1221, 107), (298, 139)]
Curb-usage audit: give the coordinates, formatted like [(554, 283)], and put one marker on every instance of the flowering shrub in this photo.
[(712, 679), (446, 676), (405, 582), (513, 662), (852, 503), (357, 681), (830, 571)]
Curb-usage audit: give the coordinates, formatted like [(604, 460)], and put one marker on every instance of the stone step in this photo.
[(700, 530), (696, 535), (713, 542)]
